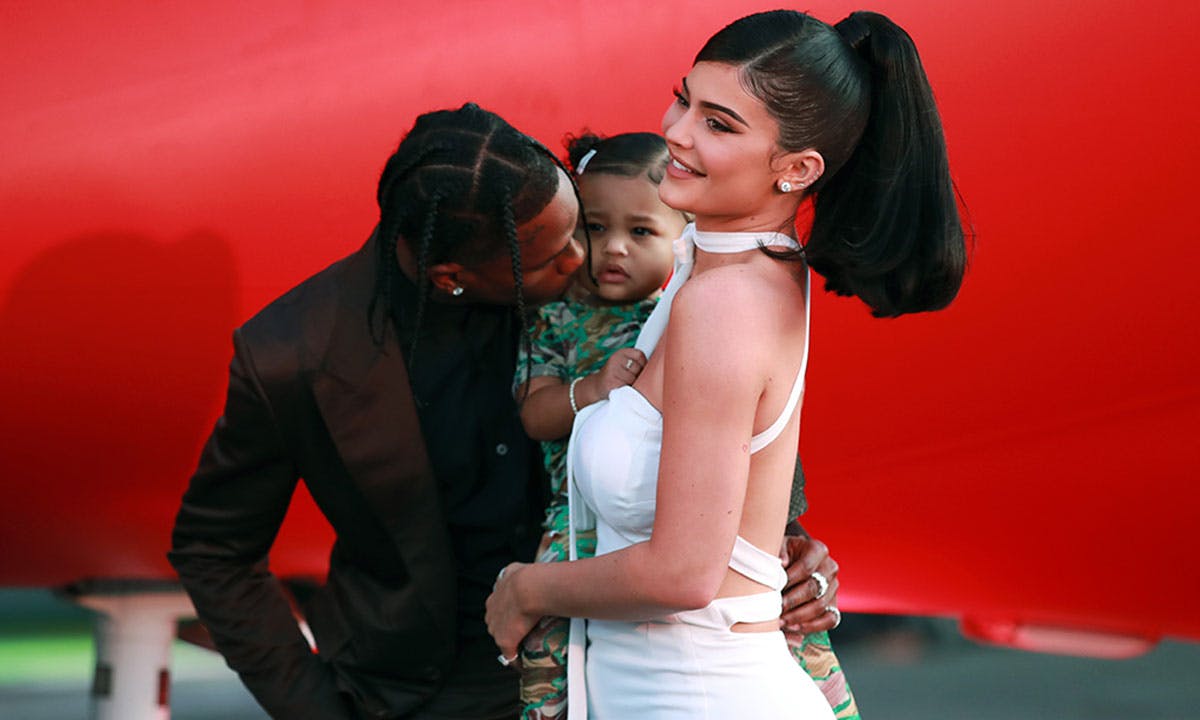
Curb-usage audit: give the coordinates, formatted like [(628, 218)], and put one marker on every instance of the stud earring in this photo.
[(785, 186), (457, 291)]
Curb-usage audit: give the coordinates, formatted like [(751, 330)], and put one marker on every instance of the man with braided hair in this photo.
[(383, 382)]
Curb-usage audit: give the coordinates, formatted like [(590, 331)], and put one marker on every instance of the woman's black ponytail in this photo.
[(886, 226)]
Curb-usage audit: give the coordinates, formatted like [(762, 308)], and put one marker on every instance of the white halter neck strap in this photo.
[(734, 242)]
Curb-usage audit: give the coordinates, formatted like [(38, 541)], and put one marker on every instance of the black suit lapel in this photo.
[(364, 396)]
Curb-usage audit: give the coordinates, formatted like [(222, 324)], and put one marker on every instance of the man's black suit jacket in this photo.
[(312, 395)]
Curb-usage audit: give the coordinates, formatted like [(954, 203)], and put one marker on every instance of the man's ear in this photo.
[(445, 276)]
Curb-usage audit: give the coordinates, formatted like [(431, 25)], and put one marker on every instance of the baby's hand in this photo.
[(621, 369)]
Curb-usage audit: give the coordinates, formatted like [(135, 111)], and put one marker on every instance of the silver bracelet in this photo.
[(571, 395)]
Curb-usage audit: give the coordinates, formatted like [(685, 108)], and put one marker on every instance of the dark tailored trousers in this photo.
[(467, 702), (476, 688)]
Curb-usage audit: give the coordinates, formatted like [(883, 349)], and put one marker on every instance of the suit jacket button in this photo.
[(502, 449)]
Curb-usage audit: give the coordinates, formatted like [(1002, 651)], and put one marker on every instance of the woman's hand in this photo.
[(809, 605), (506, 622)]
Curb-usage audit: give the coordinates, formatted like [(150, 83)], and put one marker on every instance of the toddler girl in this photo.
[(582, 347)]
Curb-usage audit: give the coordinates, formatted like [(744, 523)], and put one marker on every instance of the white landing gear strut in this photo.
[(134, 631)]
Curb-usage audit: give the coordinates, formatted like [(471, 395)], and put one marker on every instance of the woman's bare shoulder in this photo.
[(721, 310), (732, 295)]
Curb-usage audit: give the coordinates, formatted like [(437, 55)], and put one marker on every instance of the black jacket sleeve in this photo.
[(226, 525)]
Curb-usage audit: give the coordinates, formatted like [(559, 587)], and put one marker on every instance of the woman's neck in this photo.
[(783, 221)]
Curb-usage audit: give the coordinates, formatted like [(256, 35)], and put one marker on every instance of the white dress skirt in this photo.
[(682, 670)]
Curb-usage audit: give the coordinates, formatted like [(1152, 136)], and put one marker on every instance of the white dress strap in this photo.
[(652, 330), (579, 517), (766, 437), (757, 564)]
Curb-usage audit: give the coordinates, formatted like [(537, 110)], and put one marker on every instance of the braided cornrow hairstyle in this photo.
[(423, 267), (456, 189), (514, 251)]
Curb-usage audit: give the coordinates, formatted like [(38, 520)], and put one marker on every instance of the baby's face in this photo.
[(631, 232)]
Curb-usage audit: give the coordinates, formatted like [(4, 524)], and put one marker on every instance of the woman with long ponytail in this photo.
[(685, 474)]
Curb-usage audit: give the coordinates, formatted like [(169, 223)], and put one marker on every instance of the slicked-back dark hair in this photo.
[(885, 225), (456, 189)]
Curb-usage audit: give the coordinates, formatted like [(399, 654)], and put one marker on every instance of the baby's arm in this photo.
[(547, 411)]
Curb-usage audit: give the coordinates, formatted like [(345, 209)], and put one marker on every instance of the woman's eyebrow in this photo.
[(718, 108)]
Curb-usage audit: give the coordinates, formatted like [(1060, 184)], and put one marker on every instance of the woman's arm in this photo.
[(712, 381)]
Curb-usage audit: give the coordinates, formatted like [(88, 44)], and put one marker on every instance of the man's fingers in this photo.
[(824, 622), (803, 598), (812, 616), (806, 555), (829, 568), (812, 586)]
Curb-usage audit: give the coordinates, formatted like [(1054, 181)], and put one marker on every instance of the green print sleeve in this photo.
[(546, 356)]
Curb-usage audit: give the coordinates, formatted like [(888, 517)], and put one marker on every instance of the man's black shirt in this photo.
[(491, 481)]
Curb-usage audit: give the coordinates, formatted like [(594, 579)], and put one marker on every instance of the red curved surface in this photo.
[(1021, 460)]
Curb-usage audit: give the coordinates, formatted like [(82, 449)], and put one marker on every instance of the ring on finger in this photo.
[(498, 576), (506, 661), (822, 585), (628, 363), (837, 615)]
